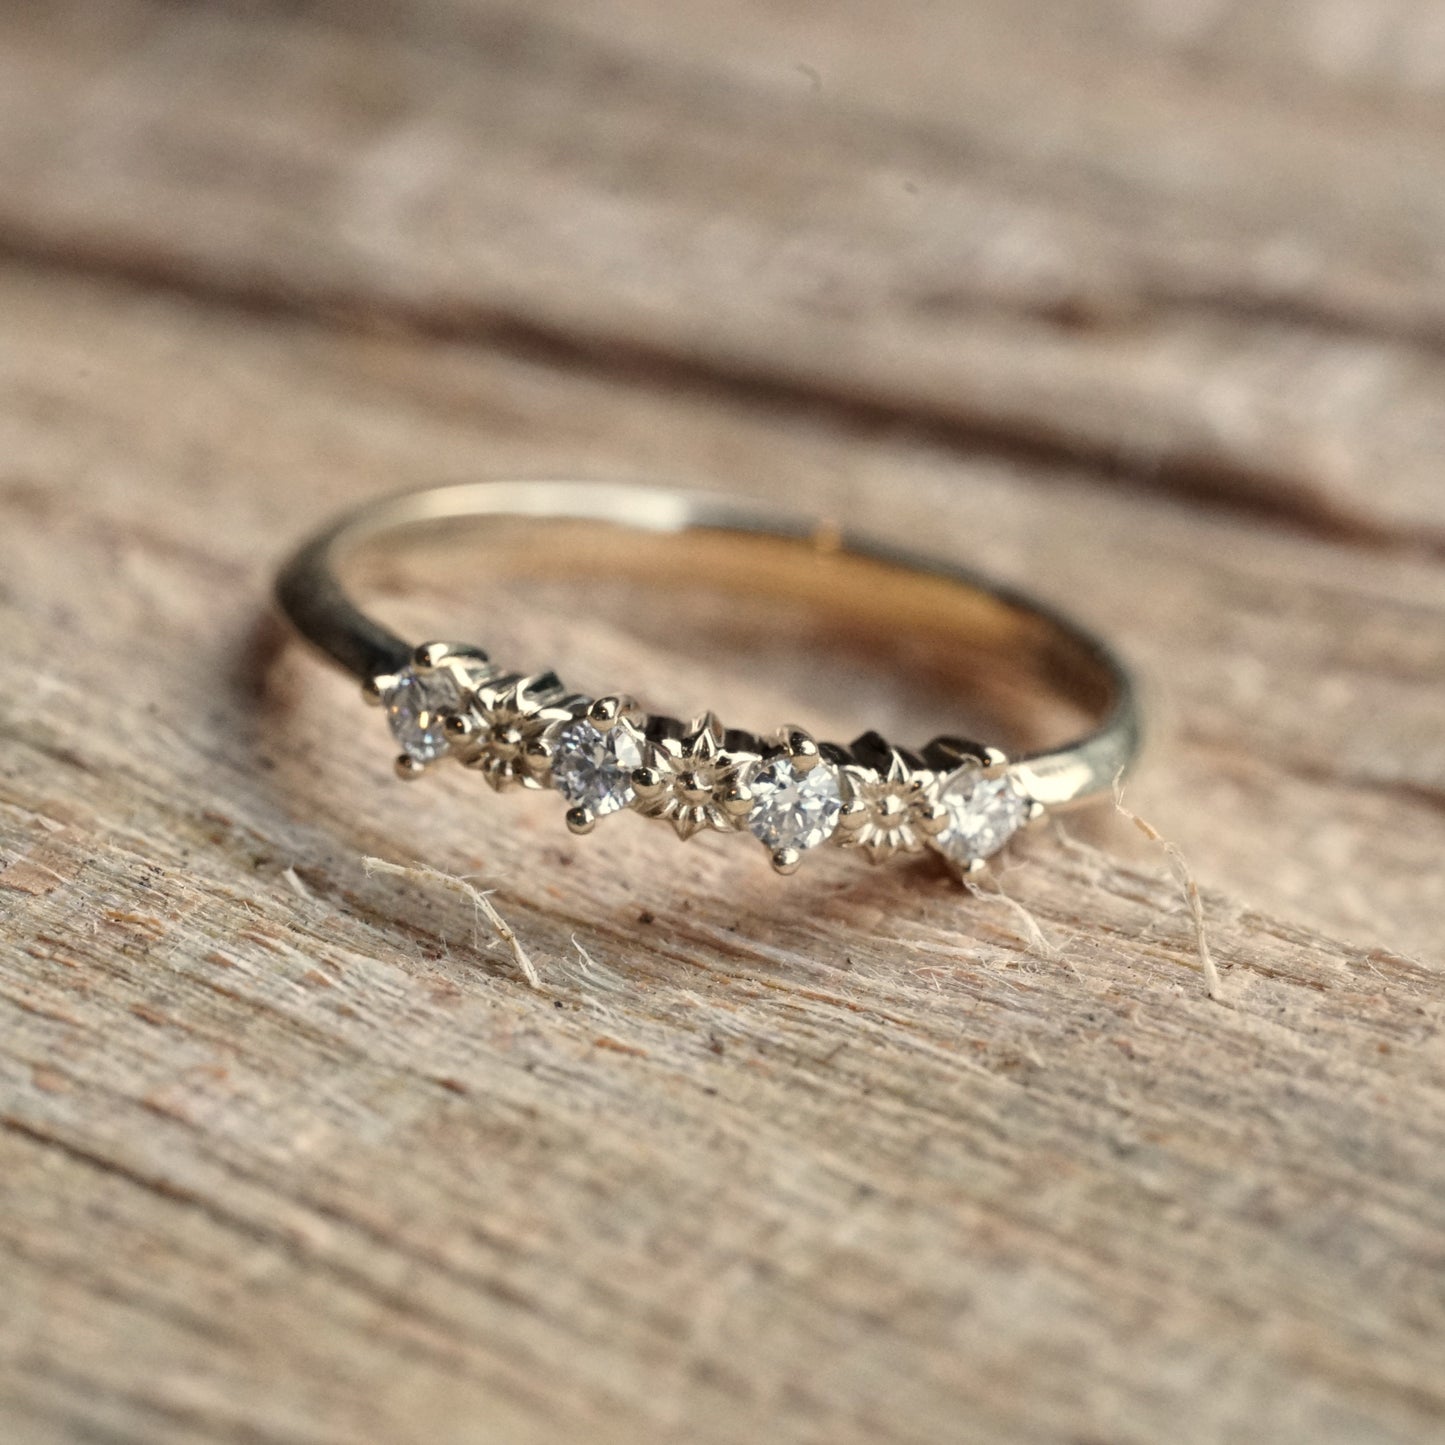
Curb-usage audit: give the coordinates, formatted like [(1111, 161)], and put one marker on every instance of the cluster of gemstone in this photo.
[(791, 793)]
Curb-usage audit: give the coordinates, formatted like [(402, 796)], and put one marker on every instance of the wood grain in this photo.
[(290, 1153), (1168, 282)]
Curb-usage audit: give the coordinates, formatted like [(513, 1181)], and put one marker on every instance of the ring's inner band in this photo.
[(672, 541), (974, 642)]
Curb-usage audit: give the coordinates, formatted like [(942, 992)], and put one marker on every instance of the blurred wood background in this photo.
[(1140, 303)]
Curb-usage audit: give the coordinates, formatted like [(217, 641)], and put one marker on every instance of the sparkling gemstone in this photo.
[(983, 814), (593, 769), (793, 809), (416, 707)]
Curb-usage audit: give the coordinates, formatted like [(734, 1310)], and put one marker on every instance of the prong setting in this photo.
[(591, 765), (984, 806), (787, 860), (800, 748), (795, 808), (737, 801), (460, 727), (995, 763), (421, 699), (793, 793), (581, 820), (648, 783), (932, 817), (607, 712)]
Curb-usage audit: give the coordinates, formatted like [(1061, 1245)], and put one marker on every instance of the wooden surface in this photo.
[(1140, 305)]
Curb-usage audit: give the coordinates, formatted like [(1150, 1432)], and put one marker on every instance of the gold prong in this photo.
[(737, 801), (786, 860), (802, 750), (853, 814), (607, 712), (995, 763), (973, 867), (408, 768), (932, 819), (375, 689), (581, 820), (459, 727), (430, 655), (1035, 813), (647, 782)]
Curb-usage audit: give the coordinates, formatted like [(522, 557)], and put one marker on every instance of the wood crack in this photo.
[(1283, 501)]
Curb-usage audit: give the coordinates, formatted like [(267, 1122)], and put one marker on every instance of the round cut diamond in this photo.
[(983, 814), (593, 769), (416, 707), (794, 809)]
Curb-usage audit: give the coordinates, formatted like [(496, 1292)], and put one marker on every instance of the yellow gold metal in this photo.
[(872, 796), (581, 820), (736, 800), (801, 748), (647, 782), (932, 817), (606, 712)]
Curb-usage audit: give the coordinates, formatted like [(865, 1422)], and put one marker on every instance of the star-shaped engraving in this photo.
[(891, 811), (502, 734), (693, 781)]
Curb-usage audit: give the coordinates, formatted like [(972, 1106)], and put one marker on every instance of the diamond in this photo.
[(417, 704), (983, 814), (593, 769), (792, 808)]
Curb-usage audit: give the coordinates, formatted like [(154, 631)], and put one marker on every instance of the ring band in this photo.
[(962, 799)]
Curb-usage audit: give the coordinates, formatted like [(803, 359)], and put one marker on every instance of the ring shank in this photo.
[(915, 591)]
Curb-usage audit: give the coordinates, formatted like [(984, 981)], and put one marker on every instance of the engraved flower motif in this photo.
[(891, 810), (505, 731), (693, 781)]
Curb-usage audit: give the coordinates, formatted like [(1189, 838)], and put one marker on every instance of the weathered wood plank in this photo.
[(288, 1153), (951, 227), (1302, 51), (1271, 656), (840, 1158)]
